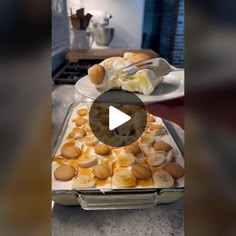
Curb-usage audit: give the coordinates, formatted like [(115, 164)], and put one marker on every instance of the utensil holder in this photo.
[(81, 39)]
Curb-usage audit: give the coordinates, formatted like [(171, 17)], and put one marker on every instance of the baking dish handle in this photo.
[(118, 201)]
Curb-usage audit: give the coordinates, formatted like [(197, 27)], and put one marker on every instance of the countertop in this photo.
[(101, 54), (161, 220)]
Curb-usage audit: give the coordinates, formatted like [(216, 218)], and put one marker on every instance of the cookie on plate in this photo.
[(133, 149), (77, 133), (174, 169), (141, 172), (64, 173), (162, 146), (102, 149), (82, 111), (70, 152), (153, 127), (90, 140), (80, 121), (101, 172)]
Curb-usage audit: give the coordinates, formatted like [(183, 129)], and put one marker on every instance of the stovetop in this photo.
[(70, 73)]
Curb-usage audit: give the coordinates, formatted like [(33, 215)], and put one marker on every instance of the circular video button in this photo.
[(117, 118)]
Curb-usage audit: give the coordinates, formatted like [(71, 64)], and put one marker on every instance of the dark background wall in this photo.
[(163, 29)]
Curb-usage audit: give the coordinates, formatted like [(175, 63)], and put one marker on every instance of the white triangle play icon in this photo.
[(116, 118)]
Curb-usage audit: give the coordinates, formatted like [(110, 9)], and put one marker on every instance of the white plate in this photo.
[(171, 87)]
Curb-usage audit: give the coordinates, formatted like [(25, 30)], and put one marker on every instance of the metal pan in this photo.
[(117, 198)]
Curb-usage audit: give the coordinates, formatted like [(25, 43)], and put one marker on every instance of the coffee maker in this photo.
[(98, 29)]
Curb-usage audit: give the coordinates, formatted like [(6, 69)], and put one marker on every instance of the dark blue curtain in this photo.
[(160, 29)]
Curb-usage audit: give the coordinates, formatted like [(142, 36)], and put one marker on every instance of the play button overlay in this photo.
[(117, 118)]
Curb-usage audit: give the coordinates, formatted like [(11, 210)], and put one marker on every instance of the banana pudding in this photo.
[(83, 162), (104, 75)]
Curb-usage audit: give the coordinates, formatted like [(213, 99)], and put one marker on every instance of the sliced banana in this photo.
[(116, 152), (125, 159), (124, 179), (148, 151), (156, 159), (87, 161), (90, 140), (84, 181), (133, 149), (169, 156), (78, 136), (77, 133), (147, 139), (153, 127), (162, 179), (87, 127)]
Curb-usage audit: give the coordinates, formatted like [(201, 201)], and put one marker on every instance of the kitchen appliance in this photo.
[(99, 29), (103, 36)]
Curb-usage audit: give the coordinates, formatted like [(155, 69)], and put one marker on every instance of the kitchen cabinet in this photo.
[(60, 29)]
